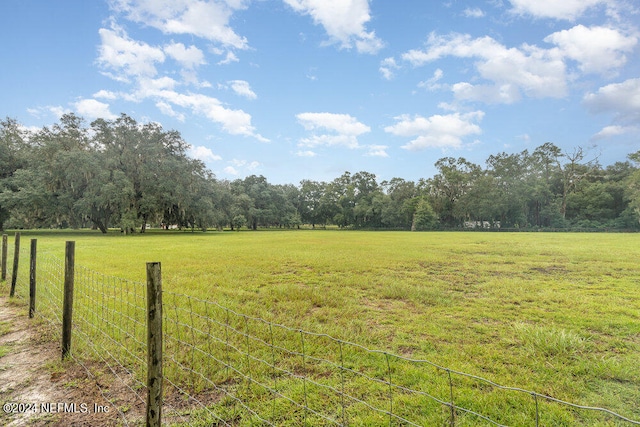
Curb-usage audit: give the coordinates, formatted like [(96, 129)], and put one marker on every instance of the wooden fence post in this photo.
[(16, 260), (3, 263), (154, 345), (67, 304), (32, 278)]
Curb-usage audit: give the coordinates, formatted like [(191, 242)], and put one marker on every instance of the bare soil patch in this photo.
[(37, 389)]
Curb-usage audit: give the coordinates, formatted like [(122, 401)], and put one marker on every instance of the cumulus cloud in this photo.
[(237, 166), (105, 94), (387, 67), (189, 57), (614, 130), (230, 170), (134, 62), (331, 129), (166, 109), (377, 151), (251, 166), (203, 153), (235, 122), (57, 111), (306, 153), (473, 12), (92, 109), (437, 131), (597, 49), (127, 57), (343, 20), (432, 83), (337, 129), (242, 88), (620, 99), (341, 123), (204, 19), (510, 72), (565, 9), (229, 58)]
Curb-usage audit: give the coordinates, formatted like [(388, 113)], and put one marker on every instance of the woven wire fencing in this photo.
[(222, 367)]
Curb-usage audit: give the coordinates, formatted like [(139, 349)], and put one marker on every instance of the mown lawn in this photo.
[(555, 313)]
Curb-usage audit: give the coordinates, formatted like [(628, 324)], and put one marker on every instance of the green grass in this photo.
[(558, 314)]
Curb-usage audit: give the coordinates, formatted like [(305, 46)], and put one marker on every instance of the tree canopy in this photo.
[(126, 175)]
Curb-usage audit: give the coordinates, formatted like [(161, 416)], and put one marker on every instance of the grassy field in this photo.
[(555, 313)]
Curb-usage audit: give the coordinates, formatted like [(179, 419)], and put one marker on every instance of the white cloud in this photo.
[(137, 60), (92, 109), (473, 13), (166, 109), (597, 49), (524, 137), (564, 9), (230, 170), (432, 83), (205, 19), (253, 165), (136, 63), (189, 57), (242, 88), (615, 130), (229, 58), (58, 110), (621, 99), (349, 141), (340, 123), (203, 153), (377, 151), (343, 20), (306, 153), (438, 131), (105, 94), (387, 67), (125, 56), (335, 129), (149, 87), (510, 72), (235, 122), (243, 164)]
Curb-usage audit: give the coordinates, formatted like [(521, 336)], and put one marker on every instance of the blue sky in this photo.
[(308, 89)]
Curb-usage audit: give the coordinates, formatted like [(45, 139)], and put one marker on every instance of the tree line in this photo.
[(123, 174)]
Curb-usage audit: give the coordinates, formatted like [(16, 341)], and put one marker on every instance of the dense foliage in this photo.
[(124, 174)]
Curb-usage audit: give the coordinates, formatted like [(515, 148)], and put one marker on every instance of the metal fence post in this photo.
[(32, 278), (154, 345), (16, 260), (67, 303), (3, 263)]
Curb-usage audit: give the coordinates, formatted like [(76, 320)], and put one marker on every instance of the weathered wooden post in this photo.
[(67, 303), (16, 260), (32, 278), (3, 263), (154, 344)]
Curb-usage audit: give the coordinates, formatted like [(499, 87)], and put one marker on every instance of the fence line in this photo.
[(225, 367)]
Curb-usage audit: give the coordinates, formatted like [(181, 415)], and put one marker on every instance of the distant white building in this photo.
[(481, 224)]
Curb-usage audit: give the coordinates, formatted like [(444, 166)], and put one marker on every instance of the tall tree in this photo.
[(13, 157), (454, 180)]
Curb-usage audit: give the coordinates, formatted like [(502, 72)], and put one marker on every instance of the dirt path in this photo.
[(36, 388)]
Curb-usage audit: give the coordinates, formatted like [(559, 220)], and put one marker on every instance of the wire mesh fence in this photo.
[(223, 367)]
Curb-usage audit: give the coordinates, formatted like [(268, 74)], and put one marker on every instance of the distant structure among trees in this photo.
[(126, 175)]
